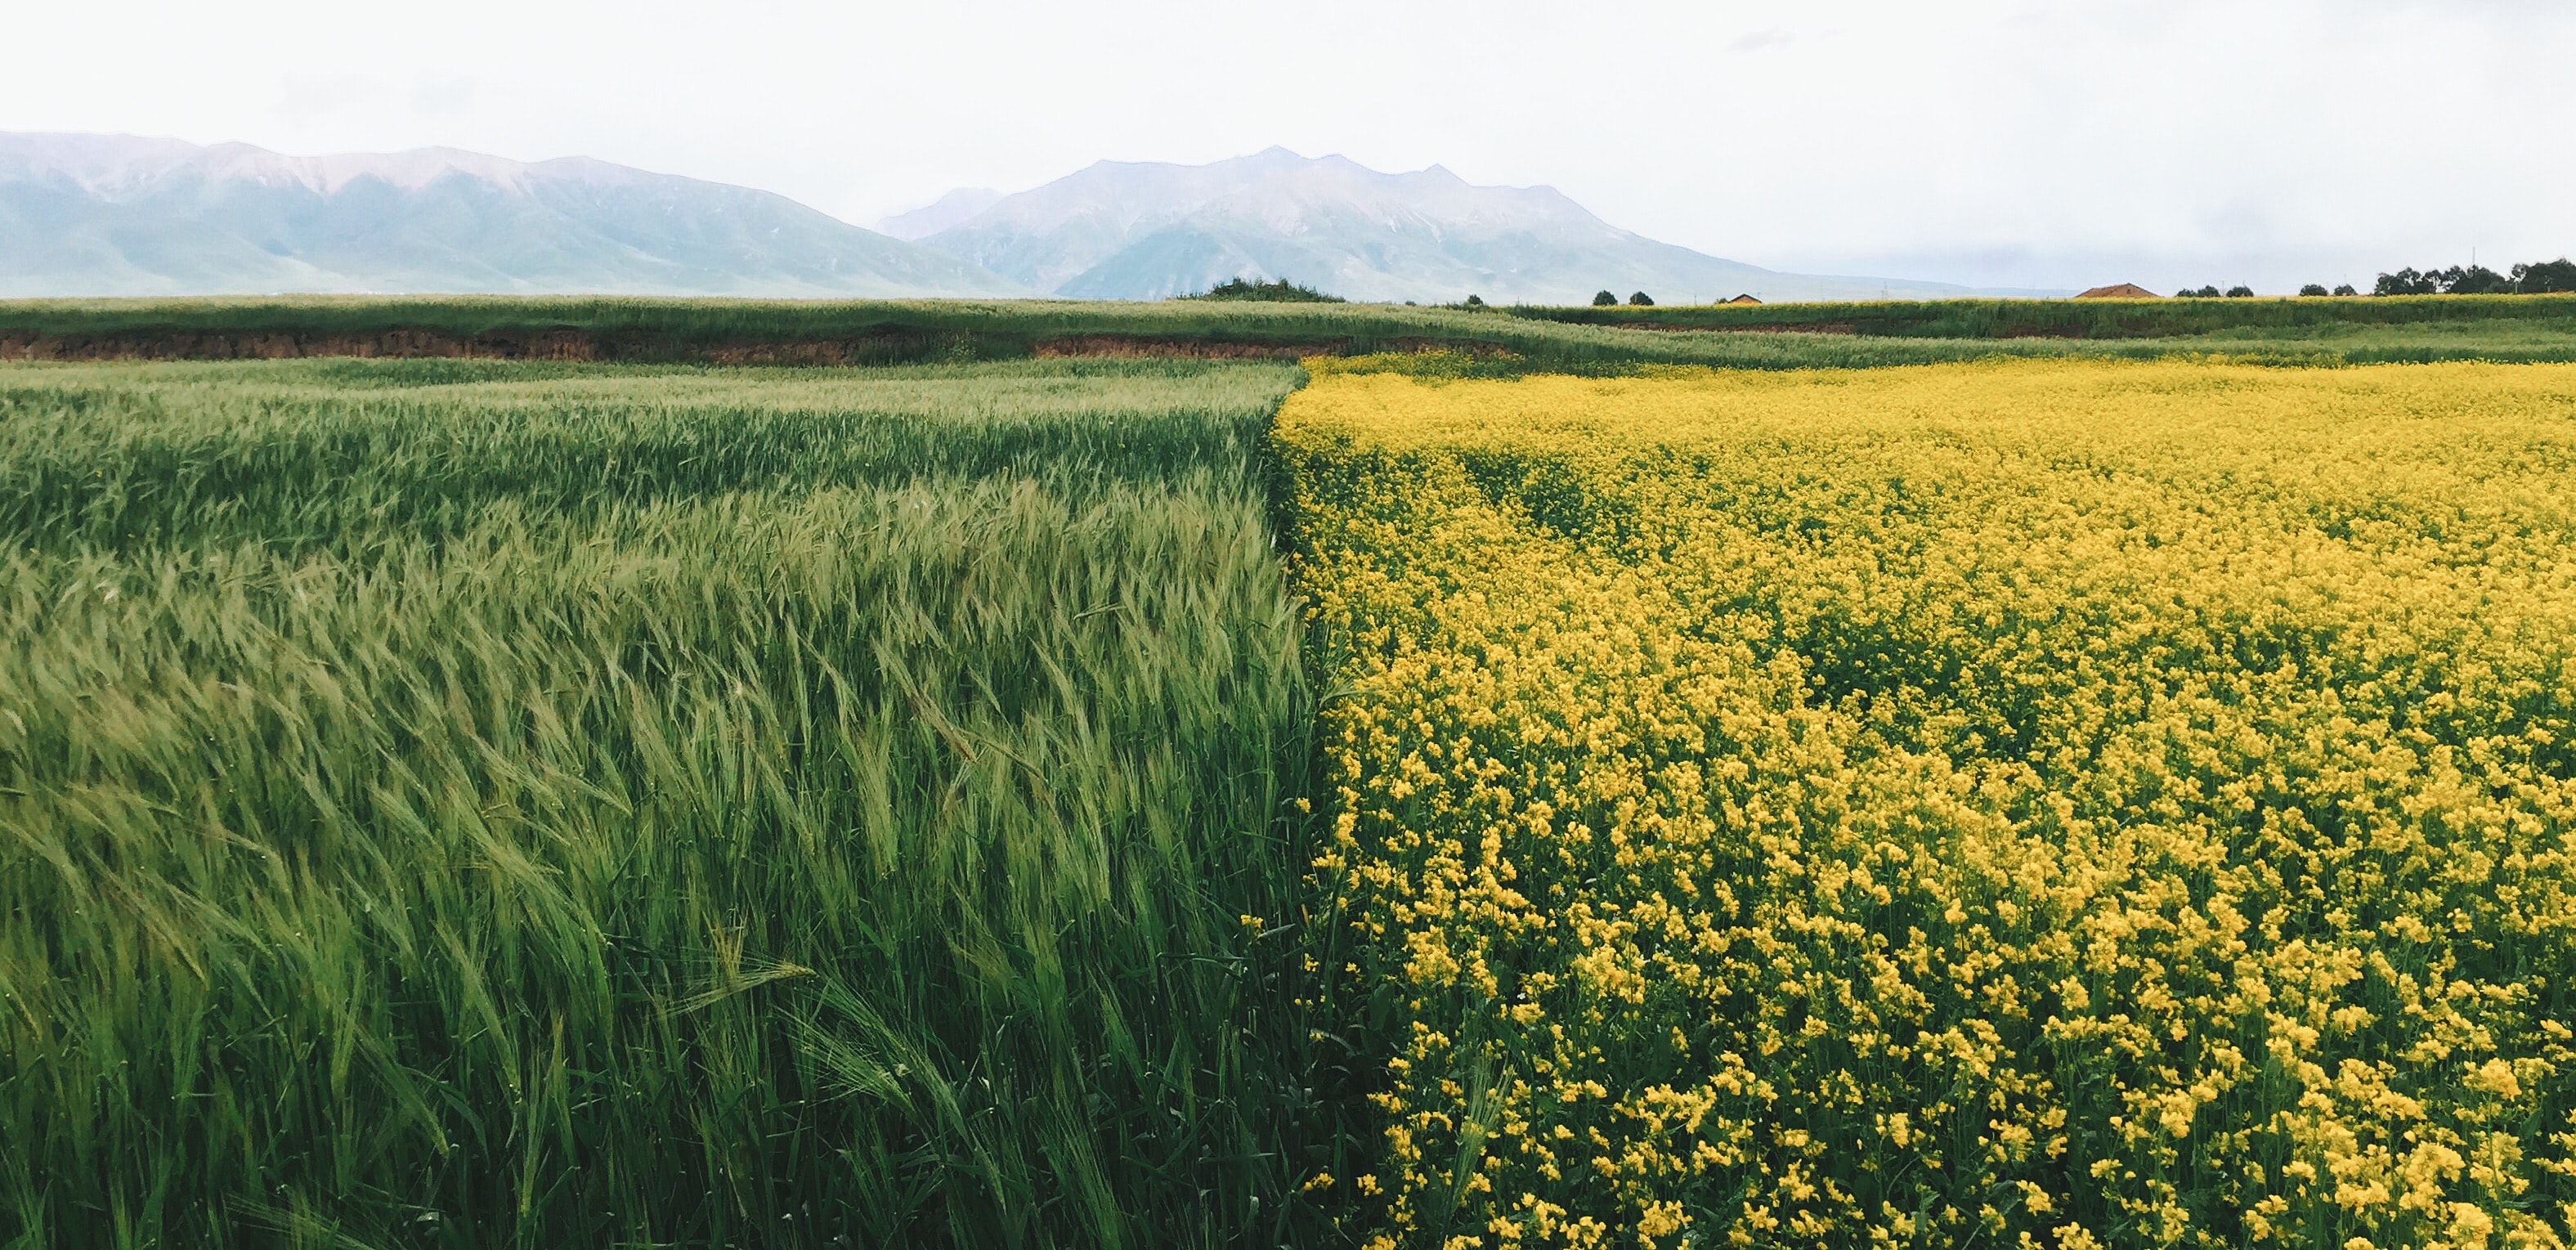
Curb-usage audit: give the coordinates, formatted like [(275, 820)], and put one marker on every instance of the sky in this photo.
[(2267, 142)]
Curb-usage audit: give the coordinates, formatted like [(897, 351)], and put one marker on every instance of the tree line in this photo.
[(2532, 279), (2547, 276)]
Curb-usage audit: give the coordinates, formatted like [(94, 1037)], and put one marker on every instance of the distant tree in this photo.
[(1279, 290), (1475, 301), (2546, 276), (1605, 300), (2345, 289), (2240, 292), (2186, 293), (2311, 289), (1641, 300), (2407, 282), (2207, 292), (2475, 280)]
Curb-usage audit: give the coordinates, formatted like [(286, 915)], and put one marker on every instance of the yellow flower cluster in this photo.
[(2030, 803)]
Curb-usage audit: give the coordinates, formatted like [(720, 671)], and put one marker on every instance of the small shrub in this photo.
[(1641, 300), (1604, 299), (2345, 289), (2240, 291), (2312, 289), (1279, 291)]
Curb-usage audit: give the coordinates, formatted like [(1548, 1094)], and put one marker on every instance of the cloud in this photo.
[(443, 95), (1976, 141), (306, 97)]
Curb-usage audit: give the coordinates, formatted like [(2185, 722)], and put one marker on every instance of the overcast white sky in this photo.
[(1985, 141)]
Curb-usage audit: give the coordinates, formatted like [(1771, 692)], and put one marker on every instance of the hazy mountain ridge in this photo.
[(939, 214), (1119, 230), (120, 215), (117, 215)]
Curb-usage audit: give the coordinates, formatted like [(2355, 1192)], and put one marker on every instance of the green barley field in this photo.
[(464, 804)]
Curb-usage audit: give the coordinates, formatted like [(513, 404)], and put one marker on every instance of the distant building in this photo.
[(2122, 290), (1744, 299)]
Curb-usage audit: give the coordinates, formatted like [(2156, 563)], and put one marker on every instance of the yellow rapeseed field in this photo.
[(2039, 803)]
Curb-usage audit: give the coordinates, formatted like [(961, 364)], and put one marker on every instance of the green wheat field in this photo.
[(478, 804)]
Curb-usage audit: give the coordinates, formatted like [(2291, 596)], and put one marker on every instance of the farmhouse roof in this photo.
[(1744, 299), (2119, 290)]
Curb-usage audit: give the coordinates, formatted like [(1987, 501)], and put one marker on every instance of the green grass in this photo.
[(475, 805), (2086, 319), (2310, 331)]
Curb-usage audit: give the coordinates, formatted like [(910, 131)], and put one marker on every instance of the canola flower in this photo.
[(2006, 804)]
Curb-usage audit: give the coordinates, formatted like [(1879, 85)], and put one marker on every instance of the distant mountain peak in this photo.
[(1144, 230), (110, 163), (122, 215), (127, 215)]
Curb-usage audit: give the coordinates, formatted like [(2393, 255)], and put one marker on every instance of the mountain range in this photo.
[(114, 215), (1121, 230), (117, 215)]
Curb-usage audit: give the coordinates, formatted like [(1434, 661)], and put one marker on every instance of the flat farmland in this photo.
[(1493, 782), (2054, 803)]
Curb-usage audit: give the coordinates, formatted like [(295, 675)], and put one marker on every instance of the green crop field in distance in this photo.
[(472, 804), (1773, 336)]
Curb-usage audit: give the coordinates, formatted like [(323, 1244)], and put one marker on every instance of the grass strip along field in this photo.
[(456, 804), (2030, 803), (2370, 322), (1585, 340)]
